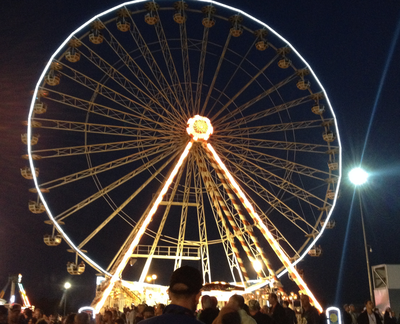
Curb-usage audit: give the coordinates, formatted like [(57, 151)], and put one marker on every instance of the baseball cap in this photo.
[(188, 276)]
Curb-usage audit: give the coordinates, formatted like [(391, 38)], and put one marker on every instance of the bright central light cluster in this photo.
[(199, 128)]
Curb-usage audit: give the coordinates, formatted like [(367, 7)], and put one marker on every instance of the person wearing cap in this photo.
[(237, 303), (184, 293), (254, 309)]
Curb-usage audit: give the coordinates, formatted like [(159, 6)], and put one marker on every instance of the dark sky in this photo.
[(346, 43)]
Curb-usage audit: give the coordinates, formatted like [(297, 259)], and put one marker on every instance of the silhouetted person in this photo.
[(82, 318), (347, 319), (369, 316), (14, 314), (209, 312), (289, 313), (277, 312), (184, 293), (310, 313), (260, 318), (237, 303)]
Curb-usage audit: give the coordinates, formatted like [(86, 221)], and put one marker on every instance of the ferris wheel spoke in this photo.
[(237, 123), (238, 141), (115, 184), (105, 166), (100, 128), (186, 68), (282, 127), (135, 68), (200, 73), (102, 110), (143, 98), (122, 206), (252, 101), (169, 61), (221, 60), (100, 148), (238, 67), (110, 94), (238, 93), (153, 65), (273, 161), (279, 182), (274, 202), (275, 232)]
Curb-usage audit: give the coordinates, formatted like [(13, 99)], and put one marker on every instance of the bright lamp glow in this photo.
[(358, 176), (67, 285), (154, 277), (257, 265)]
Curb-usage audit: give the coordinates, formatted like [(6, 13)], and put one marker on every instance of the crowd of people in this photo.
[(369, 315), (184, 293)]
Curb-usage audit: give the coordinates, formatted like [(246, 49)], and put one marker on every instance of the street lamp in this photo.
[(67, 285), (358, 177)]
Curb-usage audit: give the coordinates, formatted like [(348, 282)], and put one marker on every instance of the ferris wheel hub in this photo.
[(199, 128)]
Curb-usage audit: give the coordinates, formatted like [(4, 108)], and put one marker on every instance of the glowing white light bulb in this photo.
[(358, 176)]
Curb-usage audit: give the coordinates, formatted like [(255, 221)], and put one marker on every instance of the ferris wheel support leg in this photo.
[(225, 182), (98, 304), (267, 234), (201, 218), (184, 214), (160, 228), (215, 198)]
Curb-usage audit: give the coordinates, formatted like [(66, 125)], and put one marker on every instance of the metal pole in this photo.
[(366, 249), (65, 301)]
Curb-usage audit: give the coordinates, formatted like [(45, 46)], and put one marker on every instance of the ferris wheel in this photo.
[(182, 132)]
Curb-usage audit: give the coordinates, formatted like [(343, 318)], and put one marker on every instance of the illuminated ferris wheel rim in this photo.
[(59, 229)]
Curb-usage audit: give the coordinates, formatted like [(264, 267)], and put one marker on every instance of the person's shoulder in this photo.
[(172, 318), (246, 318)]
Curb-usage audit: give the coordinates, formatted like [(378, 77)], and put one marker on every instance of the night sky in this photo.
[(353, 49)]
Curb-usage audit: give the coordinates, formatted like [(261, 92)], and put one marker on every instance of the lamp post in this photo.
[(67, 285), (358, 177)]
